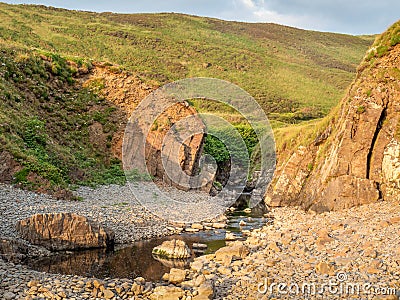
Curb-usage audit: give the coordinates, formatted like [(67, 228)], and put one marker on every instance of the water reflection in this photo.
[(127, 262), (173, 263), (136, 259)]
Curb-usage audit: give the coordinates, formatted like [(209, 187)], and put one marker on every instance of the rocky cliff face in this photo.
[(357, 161), (126, 90), (122, 88)]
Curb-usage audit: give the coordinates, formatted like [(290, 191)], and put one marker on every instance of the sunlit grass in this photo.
[(273, 63)]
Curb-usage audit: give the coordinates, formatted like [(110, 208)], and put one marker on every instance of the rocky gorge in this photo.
[(332, 230)]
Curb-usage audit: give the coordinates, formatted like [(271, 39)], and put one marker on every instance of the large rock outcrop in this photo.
[(127, 90), (290, 183), (184, 153), (64, 231), (173, 142), (357, 159)]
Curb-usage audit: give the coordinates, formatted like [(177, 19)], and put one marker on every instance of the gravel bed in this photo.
[(113, 206), (355, 247)]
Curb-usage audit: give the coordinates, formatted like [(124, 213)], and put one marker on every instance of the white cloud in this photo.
[(302, 21), (248, 3), (266, 15), (345, 16), (259, 11)]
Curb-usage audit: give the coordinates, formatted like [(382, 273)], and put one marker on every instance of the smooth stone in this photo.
[(9, 295)]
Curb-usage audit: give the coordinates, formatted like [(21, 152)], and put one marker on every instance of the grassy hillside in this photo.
[(61, 133), (294, 74), (290, 137), (48, 123)]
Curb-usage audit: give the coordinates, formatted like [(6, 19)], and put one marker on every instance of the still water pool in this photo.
[(130, 261)]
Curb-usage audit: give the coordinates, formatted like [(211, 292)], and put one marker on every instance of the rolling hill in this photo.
[(294, 74), (50, 120)]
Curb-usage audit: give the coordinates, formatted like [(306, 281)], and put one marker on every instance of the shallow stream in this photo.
[(130, 261)]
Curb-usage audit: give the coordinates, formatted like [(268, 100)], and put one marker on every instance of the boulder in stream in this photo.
[(64, 231), (172, 249)]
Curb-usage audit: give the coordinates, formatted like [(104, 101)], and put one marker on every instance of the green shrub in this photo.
[(21, 176), (34, 134), (219, 151), (217, 185), (381, 50), (395, 40), (384, 42), (216, 148)]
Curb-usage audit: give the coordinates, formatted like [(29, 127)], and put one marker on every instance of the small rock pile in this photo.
[(345, 254), (17, 282)]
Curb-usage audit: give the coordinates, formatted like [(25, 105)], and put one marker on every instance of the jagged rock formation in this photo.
[(64, 231), (167, 149), (285, 191), (126, 90), (356, 160)]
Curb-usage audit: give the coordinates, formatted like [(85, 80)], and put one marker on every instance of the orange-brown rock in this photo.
[(358, 159), (353, 171), (236, 250), (64, 231), (291, 180), (324, 268), (170, 152), (183, 153), (122, 88), (126, 90)]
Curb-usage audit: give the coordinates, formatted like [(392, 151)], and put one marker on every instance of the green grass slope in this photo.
[(48, 120), (294, 74)]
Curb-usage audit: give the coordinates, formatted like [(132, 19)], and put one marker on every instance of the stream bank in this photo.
[(359, 246), (135, 260)]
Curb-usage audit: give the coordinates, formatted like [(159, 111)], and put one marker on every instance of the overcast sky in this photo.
[(345, 16)]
